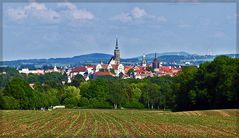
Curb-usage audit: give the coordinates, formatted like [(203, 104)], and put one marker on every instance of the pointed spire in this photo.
[(116, 43), (155, 55)]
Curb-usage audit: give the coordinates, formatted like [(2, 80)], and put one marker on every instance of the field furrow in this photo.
[(27, 125), (118, 123), (76, 116), (87, 127)]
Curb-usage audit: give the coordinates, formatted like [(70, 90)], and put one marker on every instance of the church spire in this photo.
[(116, 44), (155, 55)]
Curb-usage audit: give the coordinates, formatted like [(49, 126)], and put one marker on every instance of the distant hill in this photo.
[(95, 58), (76, 60), (151, 55)]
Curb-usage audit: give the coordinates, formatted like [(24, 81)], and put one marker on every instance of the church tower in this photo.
[(155, 63), (117, 53), (144, 62)]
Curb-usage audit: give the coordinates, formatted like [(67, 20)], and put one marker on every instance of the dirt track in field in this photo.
[(119, 123)]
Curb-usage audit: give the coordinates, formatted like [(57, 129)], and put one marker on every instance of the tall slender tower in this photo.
[(117, 53), (144, 62), (155, 63)]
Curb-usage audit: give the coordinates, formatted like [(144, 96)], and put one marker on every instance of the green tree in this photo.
[(84, 102), (71, 96), (10, 103), (117, 93), (98, 89), (184, 82), (133, 94), (20, 90), (77, 80)]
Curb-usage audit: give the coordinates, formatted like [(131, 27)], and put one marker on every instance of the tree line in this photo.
[(212, 85)]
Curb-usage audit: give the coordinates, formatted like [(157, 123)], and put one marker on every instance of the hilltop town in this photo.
[(114, 68)]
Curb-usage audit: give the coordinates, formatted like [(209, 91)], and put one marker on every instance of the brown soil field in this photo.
[(119, 123)]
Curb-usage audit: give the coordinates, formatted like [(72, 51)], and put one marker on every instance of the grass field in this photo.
[(118, 123)]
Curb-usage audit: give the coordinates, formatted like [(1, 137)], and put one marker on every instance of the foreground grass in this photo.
[(118, 123)]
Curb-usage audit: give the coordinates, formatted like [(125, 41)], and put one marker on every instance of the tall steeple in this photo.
[(155, 63), (115, 60), (116, 44), (117, 52)]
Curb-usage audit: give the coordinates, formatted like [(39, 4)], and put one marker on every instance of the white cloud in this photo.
[(33, 10), (67, 5), (39, 11), (35, 6), (83, 15), (138, 14), (75, 13)]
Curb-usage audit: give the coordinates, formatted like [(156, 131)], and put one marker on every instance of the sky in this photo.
[(51, 30)]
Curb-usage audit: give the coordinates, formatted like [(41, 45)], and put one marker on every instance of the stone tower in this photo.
[(117, 53)]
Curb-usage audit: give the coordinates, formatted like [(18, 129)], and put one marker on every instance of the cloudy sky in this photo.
[(44, 30)]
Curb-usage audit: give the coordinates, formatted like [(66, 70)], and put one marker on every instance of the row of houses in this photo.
[(99, 70), (114, 69), (125, 72), (39, 71)]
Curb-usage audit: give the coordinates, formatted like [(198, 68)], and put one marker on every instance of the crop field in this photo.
[(118, 123)]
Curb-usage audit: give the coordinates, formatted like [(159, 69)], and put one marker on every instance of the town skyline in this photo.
[(72, 29)]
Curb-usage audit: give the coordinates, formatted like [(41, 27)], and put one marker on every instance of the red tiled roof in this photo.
[(79, 69), (104, 74), (129, 67), (139, 68), (90, 66)]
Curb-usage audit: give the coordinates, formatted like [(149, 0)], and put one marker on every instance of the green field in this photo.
[(118, 123)]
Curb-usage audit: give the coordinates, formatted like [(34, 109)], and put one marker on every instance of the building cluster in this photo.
[(114, 68)]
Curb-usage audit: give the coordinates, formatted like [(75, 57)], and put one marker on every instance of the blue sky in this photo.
[(44, 30)]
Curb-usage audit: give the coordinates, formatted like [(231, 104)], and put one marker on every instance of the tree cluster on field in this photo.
[(212, 85)]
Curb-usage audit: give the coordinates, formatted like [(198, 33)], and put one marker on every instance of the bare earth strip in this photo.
[(114, 130), (124, 131), (107, 123), (79, 131), (71, 125), (129, 125)]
